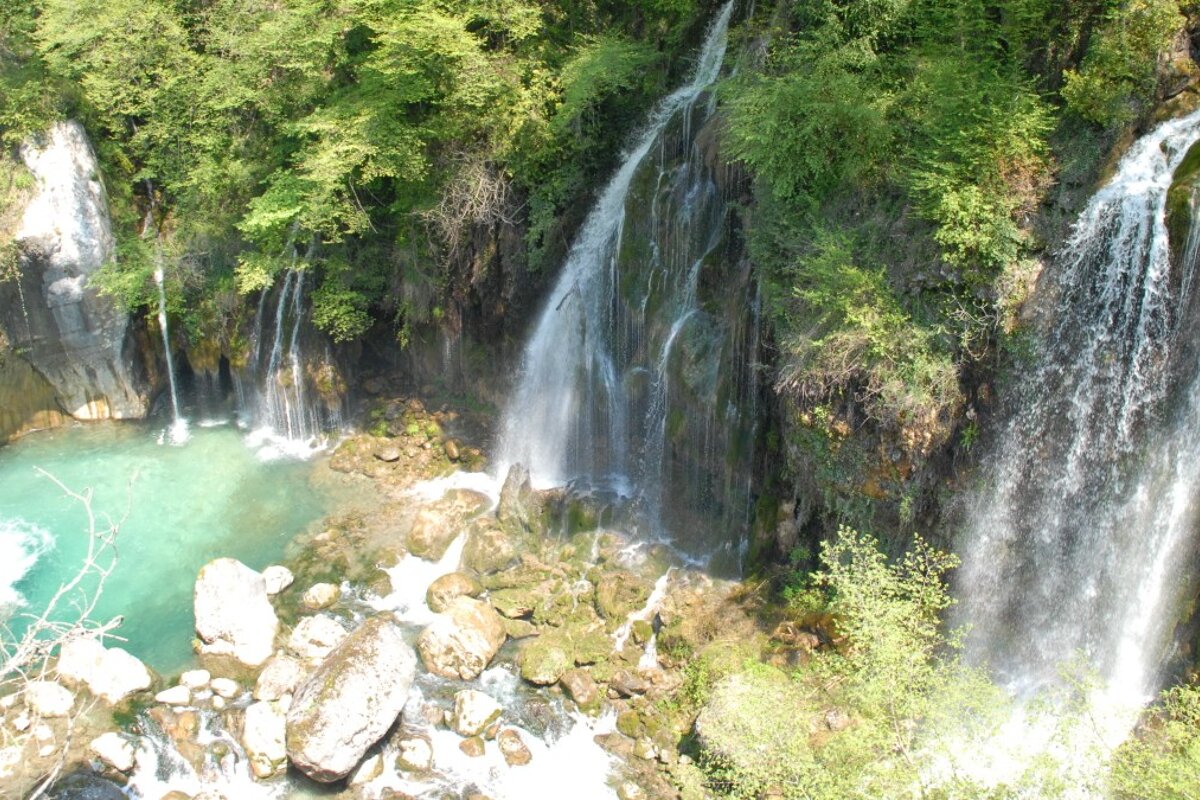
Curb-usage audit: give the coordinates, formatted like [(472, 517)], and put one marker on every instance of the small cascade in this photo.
[(1073, 547), (278, 392), (635, 377), (178, 432)]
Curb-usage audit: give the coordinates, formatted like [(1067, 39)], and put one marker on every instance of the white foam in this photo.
[(21, 545), (410, 581), (271, 446), (436, 488)]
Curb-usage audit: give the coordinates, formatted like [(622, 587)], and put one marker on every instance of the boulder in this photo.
[(473, 711), (233, 613), (488, 550), (581, 688), (316, 637), (438, 524), (516, 753), (321, 595), (351, 701), (227, 688), (175, 696), (517, 510), (388, 455), (473, 747), (264, 731), (448, 587), (83, 785), (277, 578), (48, 699), (114, 750), (545, 659), (195, 679), (281, 676), (110, 674), (462, 641)]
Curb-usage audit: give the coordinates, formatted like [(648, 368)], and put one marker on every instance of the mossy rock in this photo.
[(642, 631), (630, 724), (619, 594), (544, 660), (514, 603)]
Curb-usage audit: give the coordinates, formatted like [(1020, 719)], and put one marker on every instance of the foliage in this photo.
[(863, 718), (1162, 760)]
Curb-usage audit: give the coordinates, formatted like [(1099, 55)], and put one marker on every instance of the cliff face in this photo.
[(53, 317)]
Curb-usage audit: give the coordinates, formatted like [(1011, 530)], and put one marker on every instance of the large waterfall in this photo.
[(1075, 540), (632, 380)]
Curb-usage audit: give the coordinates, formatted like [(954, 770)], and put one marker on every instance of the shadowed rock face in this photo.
[(53, 315)]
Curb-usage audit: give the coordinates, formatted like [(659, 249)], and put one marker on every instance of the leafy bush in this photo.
[(1161, 761)]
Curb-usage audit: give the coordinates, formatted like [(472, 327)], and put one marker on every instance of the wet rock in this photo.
[(281, 676), (629, 790), (462, 641), (264, 731), (414, 754), (618, 594), (277, 578), (451, 448), (627, 684), (473, 746), (233, 613), (321, 595), (111, 674), (226, 688), (519, 628), (473, 711), (316, 637), (545, 659), (642, 631), (195, 679), (85, 786), (513, 748), (114, 750), (517, 510), (448, 587), (438, 524), (351, 700), (514, 603), (48, 699), (488, 550), (581, 688), (175, 696), (367, 771)]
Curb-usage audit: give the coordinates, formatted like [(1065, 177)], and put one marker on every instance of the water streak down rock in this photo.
[(55, 316)]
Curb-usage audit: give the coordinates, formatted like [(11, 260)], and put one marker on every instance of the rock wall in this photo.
[(52, 315)]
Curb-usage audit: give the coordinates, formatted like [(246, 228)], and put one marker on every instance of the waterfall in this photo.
[(178, 432), (1074, 542), (276, 397), (624, 354)]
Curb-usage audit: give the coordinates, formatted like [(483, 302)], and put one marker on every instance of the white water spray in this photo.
[(178, 432)]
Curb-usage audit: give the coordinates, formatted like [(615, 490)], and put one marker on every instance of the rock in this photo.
[(226, 688), (433, 529), (367, 771), (626, 684), (544, 660), (351, 700), (630, 723), (233, 614), (110, 674), (281, 676), (195, 679), (618, 594), (321, 595), (629, 790), (264, 732), (72, 334), (519, 628), (85, 786), (388, 454), (448, 587), (644, 749), (48, 699), (316, 637), (582, 689), (488, 550), (514, 603), (462, 641), (642, 631), (219, 703), (21, 722), (277, 578), (451, 448), (473, 711), (473, 746), (114, 750), (43, 732), (414, 754), (175, 696), (513, 748)]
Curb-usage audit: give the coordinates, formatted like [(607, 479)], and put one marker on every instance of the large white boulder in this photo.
[(111, 674), (315, 637), (114, 750), (234, 616), (281, 676), (462, 641), (351, 701), (264, 733)]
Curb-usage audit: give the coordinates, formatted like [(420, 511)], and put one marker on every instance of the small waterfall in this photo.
[(628, 371), (1074, 543), (178, 432), (277, 396)]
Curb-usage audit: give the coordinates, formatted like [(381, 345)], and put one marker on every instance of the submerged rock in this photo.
[(85, 786), (234, 616), (110, 674), (321, 595), (351, 701), (48, 699), (461, 642)]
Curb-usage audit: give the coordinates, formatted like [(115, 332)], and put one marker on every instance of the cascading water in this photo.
[(178, 432), (274, 393), (631, 379), (1073, 545)]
